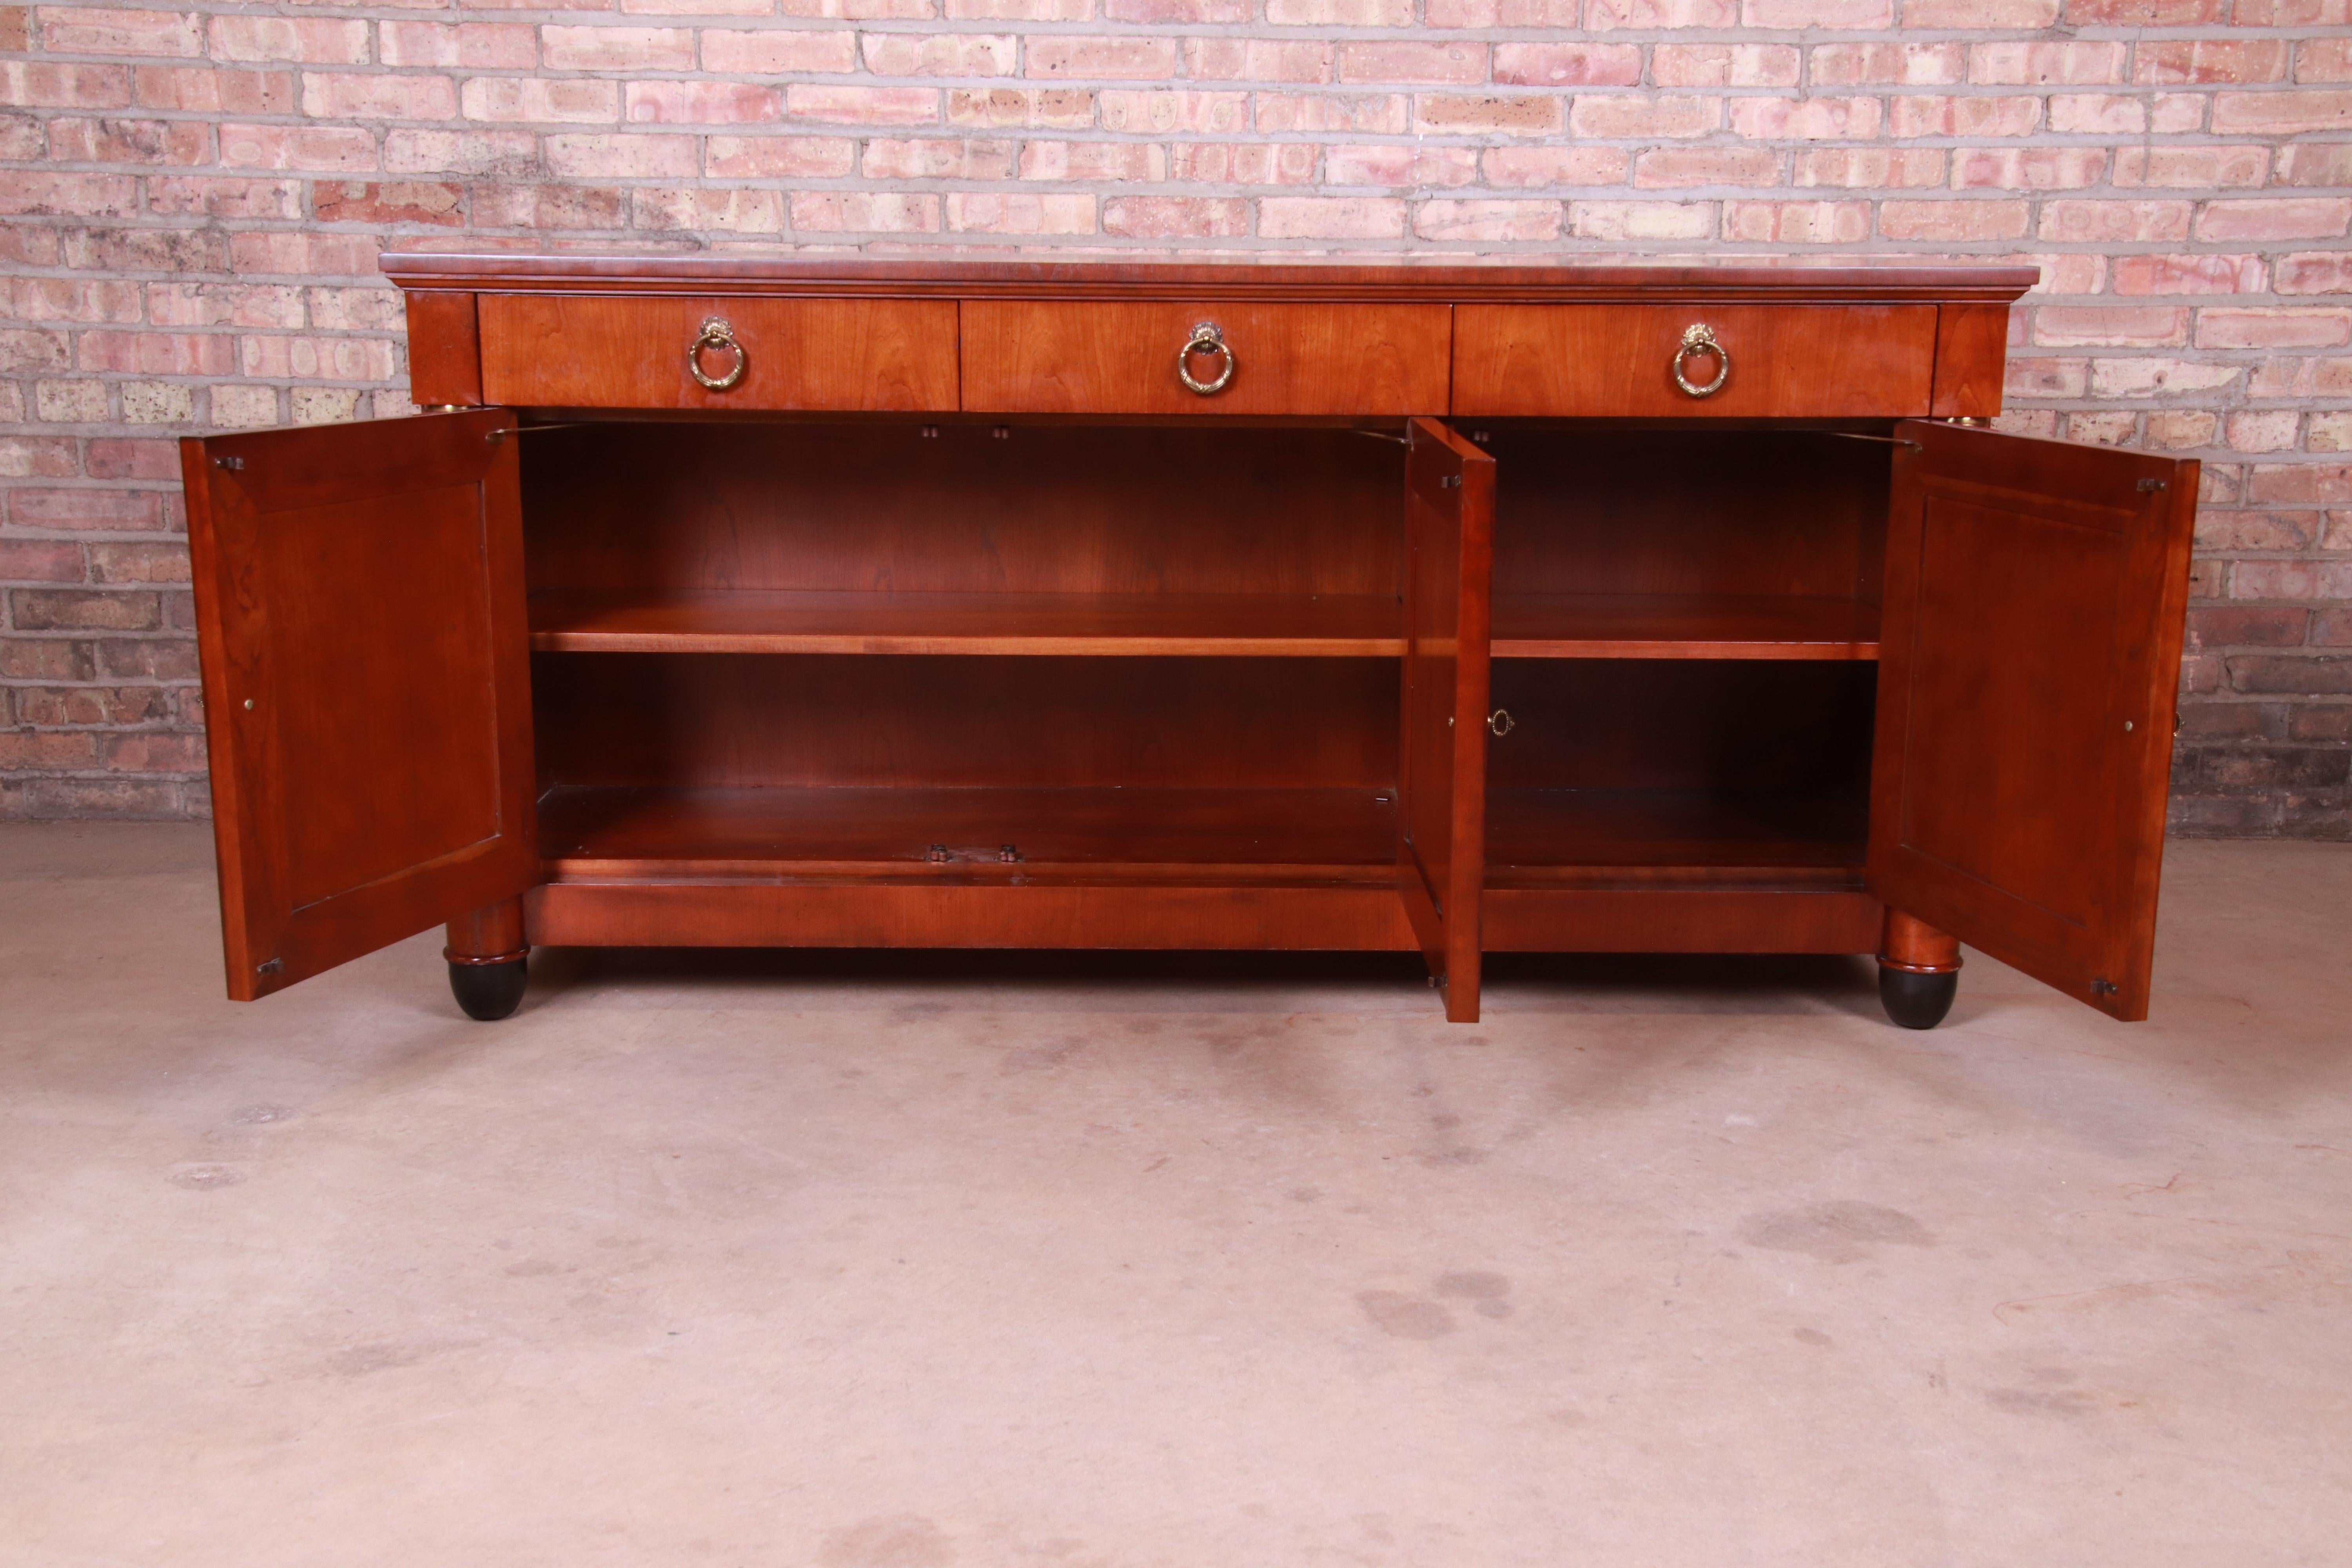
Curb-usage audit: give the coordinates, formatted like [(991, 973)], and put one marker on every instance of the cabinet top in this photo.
[(1450, 279)]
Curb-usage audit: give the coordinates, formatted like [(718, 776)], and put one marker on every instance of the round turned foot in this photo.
[(488, 991), (1917, 1001)]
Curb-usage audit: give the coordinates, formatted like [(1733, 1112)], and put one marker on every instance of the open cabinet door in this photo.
[(367, 683), (2030, 661), (1449, 517)]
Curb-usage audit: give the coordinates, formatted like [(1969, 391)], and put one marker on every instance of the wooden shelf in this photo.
[(1329, 626), (1671, 625), (1279, 626), (1209, 837), (1565, 838)]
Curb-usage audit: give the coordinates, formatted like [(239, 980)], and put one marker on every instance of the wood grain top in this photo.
[(1431, 277)]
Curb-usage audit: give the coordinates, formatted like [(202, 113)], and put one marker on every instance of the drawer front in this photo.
[(560, 351), (1056, 357), (1792, 361)]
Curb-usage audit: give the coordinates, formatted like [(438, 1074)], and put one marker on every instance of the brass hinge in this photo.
[(2145, 486)]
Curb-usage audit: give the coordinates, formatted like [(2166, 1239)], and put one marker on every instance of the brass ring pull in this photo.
[(1699, 339), (1500, 723), (717, 334), (1207, 338)]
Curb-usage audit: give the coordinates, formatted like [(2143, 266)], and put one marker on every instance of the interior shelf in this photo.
[(1559, 837), (1098, 835), (1330, 626), (1679, 626)]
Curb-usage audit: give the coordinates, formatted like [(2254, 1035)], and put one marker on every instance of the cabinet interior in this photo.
[(1169, 653)]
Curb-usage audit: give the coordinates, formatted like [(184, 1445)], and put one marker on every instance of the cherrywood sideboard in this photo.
[(851, 603)]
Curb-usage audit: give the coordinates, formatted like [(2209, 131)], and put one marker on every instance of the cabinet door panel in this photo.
[(1441, 749), (360, 614), (2029, 668), (1054, 356)]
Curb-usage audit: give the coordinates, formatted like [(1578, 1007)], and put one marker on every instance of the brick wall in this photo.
[(193, 201)]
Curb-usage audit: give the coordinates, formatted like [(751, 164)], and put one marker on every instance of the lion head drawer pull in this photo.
[(717, 334), (1699, 338), (1207, 338)]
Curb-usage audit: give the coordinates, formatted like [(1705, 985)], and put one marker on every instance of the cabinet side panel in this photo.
[(444, 351), (1971, 348)]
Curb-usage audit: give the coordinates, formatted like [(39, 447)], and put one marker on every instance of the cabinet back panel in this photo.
[(754, 720), (1734, 726), (1587, 511), (1132, 510)]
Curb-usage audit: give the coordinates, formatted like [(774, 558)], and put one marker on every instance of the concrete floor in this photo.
[(904, 1262)]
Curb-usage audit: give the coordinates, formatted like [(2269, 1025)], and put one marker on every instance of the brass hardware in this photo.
[(2148, 485), (229, 462), (2127, 724), (1009, 854), (1500, 723), (1858, 435), (938, 855), (503, 431), (717, 334), (445, 408), (272, 966), (1967, 421), (1699, 338), (1207, 338), (2103, 986), (249, 704), (1449, 482)]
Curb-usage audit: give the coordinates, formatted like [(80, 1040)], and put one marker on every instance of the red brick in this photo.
[(601, 48), (2315, 164), (940, 54), (2177, 62), (1154, 12), (862, 105), (1133, 59), (2145, 12), (1524, 168), (1056, 160), (1642, 114), (780, 157), (316, 149), (458, 151), (1806, 14), (2275, 328), (15, 28), (1398, 163), (2110, 326), (352, 95), (701, 103), (37, 457), (1349, 114), (40, 561), (38, 84), (226, 304), (1897, 64), (151, 751), (1330, 217), (2307, 217), (1958, 14), (128, 458), (2198, 168), (1559, 64), (1621, 221), (126, 560), (2205, 274), (25, 192), (158, 353), (309, 40), (25, 352), (147, 141), (1671, 167), (2315, 273), (1929, 114), (838, 212), (2281, 113), (625, 157), (549, 207), (329, 255), (1651, 16), (2028, 168), (1488, 220), (1174, 217), (2322, 60), (1242, 163), (996, 212), (1797, 223), (2089, 221), (538, 100), (707, 211), (357, 201), (98, 30), (207, 91), (1957, 221), (771, 52), (225, 198), (1340, 13), (1723, 65), (1805, 119), (2019, 63), (481, 46), (1857, 168), (1257, 60), (76, 609)]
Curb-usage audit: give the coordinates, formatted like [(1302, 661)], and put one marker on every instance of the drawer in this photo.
[(1791, 362), (1024, 356), (591, 351)]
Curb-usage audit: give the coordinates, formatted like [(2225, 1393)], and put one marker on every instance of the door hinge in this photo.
[(2147, 485), (2104, 987), (229, 462), (1451, 482), (274, 966)]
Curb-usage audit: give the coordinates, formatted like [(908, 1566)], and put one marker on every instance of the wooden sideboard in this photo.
[(1024, 604)]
